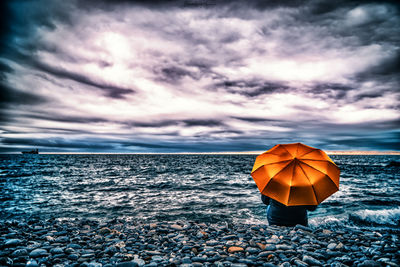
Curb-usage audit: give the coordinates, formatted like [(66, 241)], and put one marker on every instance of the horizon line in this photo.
[(329, 152)]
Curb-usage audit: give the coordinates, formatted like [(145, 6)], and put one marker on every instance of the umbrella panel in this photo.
[(263, 174), (268, 158), (325, 167)]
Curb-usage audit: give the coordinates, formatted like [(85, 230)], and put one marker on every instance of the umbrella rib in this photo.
[(287, 151), (271, 153), (320, 160), (312, 186), (270, 164), (294, 168), (276, 162), (308, 152), (322, 173), (312, 167), (275, 175), (324, 160)]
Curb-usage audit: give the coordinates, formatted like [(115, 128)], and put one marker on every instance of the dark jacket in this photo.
[(279, 214)]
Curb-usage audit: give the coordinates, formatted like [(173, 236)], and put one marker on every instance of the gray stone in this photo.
[(295, 238), (74, 246), (19, 252), (337, 264), (156, 258), (285, 264), (300, 263), (270, 247), (57, 251), (198, 259), (212, 242), (283, 247), (302, 227), (369, 263), (139, 261), (311, 261), (62, 239), (73, 257), (186, 260), (252, 250), (69, 250), (94, 264), (152, 252), (127, 264), (184, 248), (227, 237), (13, 242), (111, 250), (272, 240), (32, 263), (39, 252), (264, 254), (246, 261), (332, 246)]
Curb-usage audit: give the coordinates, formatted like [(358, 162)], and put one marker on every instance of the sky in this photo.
[(198, 75)]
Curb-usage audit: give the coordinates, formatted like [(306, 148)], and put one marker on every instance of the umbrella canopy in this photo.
[(296, 174)]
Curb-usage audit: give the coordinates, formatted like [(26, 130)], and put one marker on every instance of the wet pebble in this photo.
[(13, 242), (39, 252)]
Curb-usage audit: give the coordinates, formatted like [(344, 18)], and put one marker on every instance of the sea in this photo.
[(176, 187)]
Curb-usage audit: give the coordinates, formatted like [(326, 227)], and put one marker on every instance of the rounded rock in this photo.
[(13, 242), (332, 246), (39, 252), (369, 263), (127, 264), (19, 252)]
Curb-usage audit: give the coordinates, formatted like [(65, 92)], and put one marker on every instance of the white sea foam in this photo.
[(327, 221), (377, 217)]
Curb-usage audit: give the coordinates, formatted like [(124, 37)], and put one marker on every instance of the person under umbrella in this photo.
[(292, 179)]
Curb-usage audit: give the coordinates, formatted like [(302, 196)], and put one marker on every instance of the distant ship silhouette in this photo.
[(36, 151)]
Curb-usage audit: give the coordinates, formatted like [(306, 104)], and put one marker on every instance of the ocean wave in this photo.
[(330, 221), (384, 217)]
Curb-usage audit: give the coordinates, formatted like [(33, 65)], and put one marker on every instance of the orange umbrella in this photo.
[(296, 174)]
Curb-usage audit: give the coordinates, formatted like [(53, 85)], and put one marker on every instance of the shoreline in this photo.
[(329, 152), (118, 242)]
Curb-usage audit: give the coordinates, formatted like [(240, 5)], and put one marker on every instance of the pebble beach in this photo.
[(58, 242)]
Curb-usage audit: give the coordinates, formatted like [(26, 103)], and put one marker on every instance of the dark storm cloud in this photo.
[(331, 90), (173, 74), (388, 69), (110, 90), (13, 96), (384, 141), (256, 119), (259, 4), (64, 118), (252, 88), (58, 143), (187, 123), (4, 68), (24, 18), (196, 122)]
